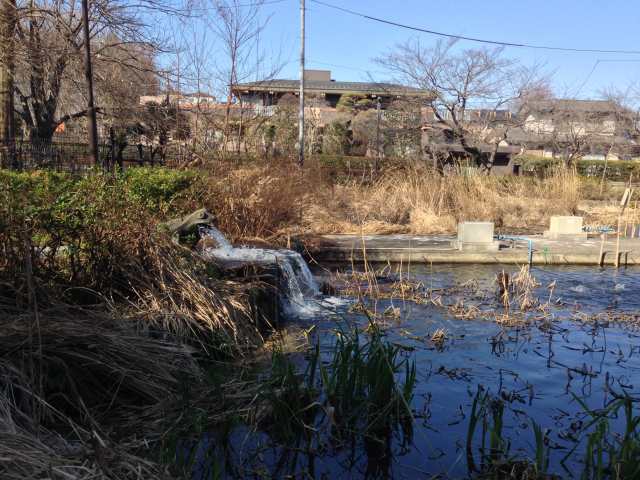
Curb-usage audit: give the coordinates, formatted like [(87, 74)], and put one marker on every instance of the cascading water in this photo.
[(217, 236), (300, 285)]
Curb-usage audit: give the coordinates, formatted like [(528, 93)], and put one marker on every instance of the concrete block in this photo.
[(476, 236), (565, 226)]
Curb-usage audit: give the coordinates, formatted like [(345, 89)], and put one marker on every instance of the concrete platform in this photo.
[(438, 249)]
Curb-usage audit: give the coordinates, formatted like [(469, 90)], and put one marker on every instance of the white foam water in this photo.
[(217, 236), (302, 296)]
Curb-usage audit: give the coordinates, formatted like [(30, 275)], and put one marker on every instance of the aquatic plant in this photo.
[(368, 386), (495, 458), (291, 398), (609, 455)]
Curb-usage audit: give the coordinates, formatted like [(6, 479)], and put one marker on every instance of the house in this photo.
[(440, 145), (592, 129), (321, 90), (597, 117), (492, 117), (483, 144)]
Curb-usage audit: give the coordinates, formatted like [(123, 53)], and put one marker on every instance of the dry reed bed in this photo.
[(276, 199), (65, 376), (77, 382), (512, 301), (414, 200)]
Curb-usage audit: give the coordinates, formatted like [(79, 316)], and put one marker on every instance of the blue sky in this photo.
[(346, 44)]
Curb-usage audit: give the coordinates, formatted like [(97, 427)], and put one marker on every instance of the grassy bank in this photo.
[(105, 323)]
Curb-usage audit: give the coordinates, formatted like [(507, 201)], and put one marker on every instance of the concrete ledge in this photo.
[(455, 256), (429, 249), (473, 247)]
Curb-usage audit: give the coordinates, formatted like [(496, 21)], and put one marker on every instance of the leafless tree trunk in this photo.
[(88, 74), (238, 25), (7, 72)]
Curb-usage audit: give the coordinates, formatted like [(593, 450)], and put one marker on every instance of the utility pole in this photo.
[(301, 107), (378, 115), (88, 74)]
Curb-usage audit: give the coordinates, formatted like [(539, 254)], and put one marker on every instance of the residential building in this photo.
[(596, 129), (322, 90)]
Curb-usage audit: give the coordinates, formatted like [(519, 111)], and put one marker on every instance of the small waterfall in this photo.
[(294, 292), (217, 236), (307, 282), (301, 286)]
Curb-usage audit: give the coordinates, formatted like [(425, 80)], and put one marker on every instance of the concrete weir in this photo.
[(563, 250)]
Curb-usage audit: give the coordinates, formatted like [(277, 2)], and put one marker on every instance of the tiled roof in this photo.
[(311, 86), (571, 105)]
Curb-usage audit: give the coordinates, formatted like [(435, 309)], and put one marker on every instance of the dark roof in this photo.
[(571, 105), (316, 86), (519, 136)]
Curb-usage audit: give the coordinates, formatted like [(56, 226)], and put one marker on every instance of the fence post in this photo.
[(112, 148)]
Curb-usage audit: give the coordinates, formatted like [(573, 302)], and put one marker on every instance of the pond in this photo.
[(566, 347)]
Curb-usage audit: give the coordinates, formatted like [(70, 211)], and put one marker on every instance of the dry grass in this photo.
[(277, 200), (417, 201), (67, 375), (175, 294)]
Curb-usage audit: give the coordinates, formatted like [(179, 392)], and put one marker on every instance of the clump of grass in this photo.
[(609, 455), (71, 380), (439, 337), (175, 292), (495, 461), (369, 386), (291, 398)]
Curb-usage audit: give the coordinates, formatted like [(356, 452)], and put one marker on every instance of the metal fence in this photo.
[(70, 154)]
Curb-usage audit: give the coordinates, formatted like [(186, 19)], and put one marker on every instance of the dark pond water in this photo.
[(538, 370)]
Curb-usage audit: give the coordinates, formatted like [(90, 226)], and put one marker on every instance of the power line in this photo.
[(473, 39), (595, 65)]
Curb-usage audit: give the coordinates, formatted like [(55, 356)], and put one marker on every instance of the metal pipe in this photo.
[(520, 239)]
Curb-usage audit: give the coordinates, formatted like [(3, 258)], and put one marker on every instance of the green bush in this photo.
[(156, 188), (69, 230), (617, 170)]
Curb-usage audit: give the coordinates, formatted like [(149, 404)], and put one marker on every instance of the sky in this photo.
[(347, 45)]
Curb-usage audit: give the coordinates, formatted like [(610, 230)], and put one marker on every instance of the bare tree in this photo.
[(239, 25), (49, 44), (470, 91)]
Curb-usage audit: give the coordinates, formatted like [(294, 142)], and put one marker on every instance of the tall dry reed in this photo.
[(416, 200)]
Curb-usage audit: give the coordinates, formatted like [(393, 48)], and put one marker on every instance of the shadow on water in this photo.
[(542, 396)]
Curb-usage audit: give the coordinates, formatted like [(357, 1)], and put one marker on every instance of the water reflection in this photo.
[(534, 376)]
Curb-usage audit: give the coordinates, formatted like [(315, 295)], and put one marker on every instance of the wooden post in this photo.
[(617, 259), (378, 115), (603, 238), (635, 217)]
